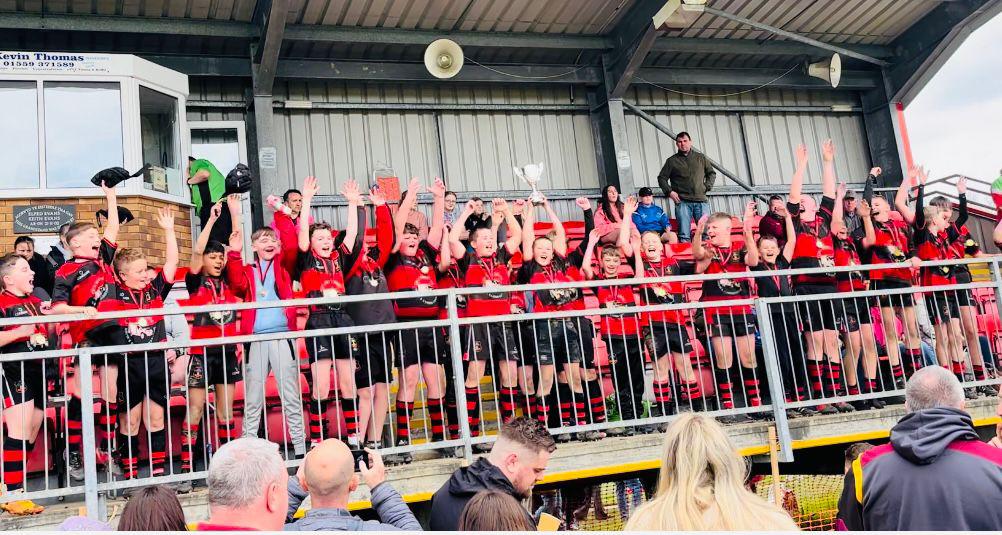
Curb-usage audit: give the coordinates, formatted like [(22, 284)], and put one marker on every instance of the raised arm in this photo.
[(918, 218), (791, 237), (828, 168), (901, 197), (455, 235), (797, 181), (560, 234), (698, 251), (353, 232), (838, 211), (624, 243), (384, 227), (589, 254), (437, 211), (869, 235), (514, 229), (528, 231), (752, 258), (113, 224), (445, 253), (400, 219), (309, 189), (589, 220), (195, 264), (165, 218), (962, 212), (871, 181)]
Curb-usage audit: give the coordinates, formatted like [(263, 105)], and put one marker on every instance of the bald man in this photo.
[(328, 476)]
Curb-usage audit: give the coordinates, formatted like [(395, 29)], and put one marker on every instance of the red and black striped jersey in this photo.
[(410, 273), (80, 280), (891, 246), (614, 297), (846, 254), (486, 272), (552, 300), (664, 293), (115, 296), (814, 247), (23, 306), (206, 290)]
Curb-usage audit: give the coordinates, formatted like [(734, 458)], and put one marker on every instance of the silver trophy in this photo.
[(531, 174)]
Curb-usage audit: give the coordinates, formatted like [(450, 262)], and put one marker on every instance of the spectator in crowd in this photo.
[(850, 218), (609, 216), (854, 451), (328, 477), (773, 223), (701, 485), (515, 464), (59, 252), (208, 186), (935, 474), (686, 178), (286, 225), (650, 217), (479, 219), (248, 487), (153, 508), (492, 510), (451, 210), (24, 246)]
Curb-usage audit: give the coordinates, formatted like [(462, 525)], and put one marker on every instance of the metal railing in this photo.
[(675, 362)]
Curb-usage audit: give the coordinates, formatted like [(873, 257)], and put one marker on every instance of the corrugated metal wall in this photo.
[(769, 135), (478, 148), (202, 90)]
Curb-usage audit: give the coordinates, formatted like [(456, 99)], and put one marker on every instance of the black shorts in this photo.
[(372, 359), (426, 345), (330, 347), (853, 312), (143, 376), (527, 343), (664, 338), (941, 307), (961, 298), (23, 381), (897, 300), (626, 349), (558, 341), (817, 315), (491, 341), (731, 325), (217, 366)]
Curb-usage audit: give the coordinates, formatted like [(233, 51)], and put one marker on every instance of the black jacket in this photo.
[(935, 475), (44, 275), (447, 504)]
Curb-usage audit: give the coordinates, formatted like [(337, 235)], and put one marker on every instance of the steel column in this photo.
[(456, 354), (775, 381), (88, 439)]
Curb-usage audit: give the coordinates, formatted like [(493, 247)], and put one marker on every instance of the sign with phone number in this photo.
[(58, 62)]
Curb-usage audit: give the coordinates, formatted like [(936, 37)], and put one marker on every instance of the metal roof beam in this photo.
[(632, 39), (395, 36), (796, 37), (851, 80), (756, 47), (416, 72), (271, 18), (147, 25)]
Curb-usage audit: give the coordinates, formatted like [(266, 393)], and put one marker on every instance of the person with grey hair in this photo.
[(934, 475), (248, 487)]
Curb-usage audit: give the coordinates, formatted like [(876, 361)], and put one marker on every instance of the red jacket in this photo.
[(243, 282), (288, 234)]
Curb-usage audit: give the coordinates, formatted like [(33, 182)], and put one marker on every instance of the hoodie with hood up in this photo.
[(447, 504), (935, 475)]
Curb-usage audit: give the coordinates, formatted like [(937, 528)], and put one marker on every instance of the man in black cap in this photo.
[(850, 217)]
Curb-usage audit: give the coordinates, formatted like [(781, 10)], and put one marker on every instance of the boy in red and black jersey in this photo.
[(731, 323), (211, 365), (933, 235), (814, 249), (666, 332), (145, 381), (487, 267), (22, 383), (413, 266), (77, 286), (323, 261)]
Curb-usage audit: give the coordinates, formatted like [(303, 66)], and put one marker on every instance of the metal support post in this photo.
[(91, 498), (459, 379), (997, 274), (775, 381)]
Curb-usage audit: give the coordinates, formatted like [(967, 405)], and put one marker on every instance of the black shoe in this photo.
[(971, 393), (76, 471), (807, 411), (861, 405), (988, 390), (734, 419), (482, 448), (843, 407), (396, 458), (827, 409), (877, 403), (563, 439)]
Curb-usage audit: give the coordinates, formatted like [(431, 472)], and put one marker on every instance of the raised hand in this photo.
[(701, 225), (518, 206), (918, 176), (471, 206), (802, 155), (593, 237), (216, 211), (828, 150), (310, 188), (236, 240), (437, 188), (583, 203), (499, 205), (751, 210), (863, 209), (376, 196), (841, 190), (165, 218), (962, 186), (415, 185), (875, 171), (630, 206), (351, 193)]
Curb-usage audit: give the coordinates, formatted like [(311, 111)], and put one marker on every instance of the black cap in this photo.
[(113, 175), (645, 192), (850, 195), (124, 215)]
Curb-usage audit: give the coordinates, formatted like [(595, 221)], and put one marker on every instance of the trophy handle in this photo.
[(518, 172)]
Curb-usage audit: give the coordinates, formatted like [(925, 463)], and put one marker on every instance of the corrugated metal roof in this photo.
[(235, 10)]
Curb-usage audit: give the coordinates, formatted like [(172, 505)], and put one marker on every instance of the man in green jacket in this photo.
[(208, 186), (686, 178)]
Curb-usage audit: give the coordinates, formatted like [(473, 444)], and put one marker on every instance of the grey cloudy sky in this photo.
[(956, 121)]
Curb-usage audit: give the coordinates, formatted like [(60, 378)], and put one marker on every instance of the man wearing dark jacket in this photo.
[(935, 474), (686, 178), (328, 476), (24, 246), (516, 463)]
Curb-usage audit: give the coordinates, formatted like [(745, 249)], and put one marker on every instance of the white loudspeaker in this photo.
[(829, 70), (443, 58)]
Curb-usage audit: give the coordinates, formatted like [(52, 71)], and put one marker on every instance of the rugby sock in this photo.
[(74, 425), (689, 390), (958, 370), (725, 394), (318, 412), (979, 372), (913, 359), (596, 402), (529, 404), (158, 452), (227, 431), (452, 415), (437, 419), (580, 416), (14, 454), (349, 408), (473, 409), (833, 378), (662, 395), (814, 374), (870, 385), (507, 400), (853, 390), (404, 411), (107, 425), (189, 435), (543, 409), (129, 453), (564, 396), (898, 372), (752, 388)]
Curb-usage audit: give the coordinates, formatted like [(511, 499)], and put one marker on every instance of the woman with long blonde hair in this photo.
[(702, 486)]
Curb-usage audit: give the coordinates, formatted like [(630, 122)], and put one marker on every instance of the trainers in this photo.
[(734, 419), (861, 405), (482, 448), (588, 436), (562, 439), (877, 403), (182, 487), (988, 390), (21, 507), (827, 409), (110, 464), (399, 458), (807, 411), (843, 407), (615, 431), (76, 471)]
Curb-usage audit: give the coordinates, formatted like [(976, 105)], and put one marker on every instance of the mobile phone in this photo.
[(360, 455)]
